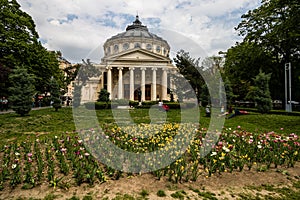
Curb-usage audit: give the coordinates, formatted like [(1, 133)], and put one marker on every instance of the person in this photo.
[(207, 111), (165, 107), (33, 102), (1, 105), (4, 103), (68, 101), (222, 110), (160, 104), (238, 112)]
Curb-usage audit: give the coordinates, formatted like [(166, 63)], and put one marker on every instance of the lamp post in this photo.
[(288, 87)]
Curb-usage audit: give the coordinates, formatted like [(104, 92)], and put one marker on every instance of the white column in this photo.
[(143, 83), (131, 86), (120, 85), (153, 84), (109, 86), (164, 84)]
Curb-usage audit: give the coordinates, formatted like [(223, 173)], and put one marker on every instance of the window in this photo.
[(108, 50), (158, 49), (116, 48), (149, 47), (125, 46)]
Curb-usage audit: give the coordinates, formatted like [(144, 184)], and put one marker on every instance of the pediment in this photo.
[(138, 55)]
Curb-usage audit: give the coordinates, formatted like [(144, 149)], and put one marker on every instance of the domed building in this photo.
[(135, 66)]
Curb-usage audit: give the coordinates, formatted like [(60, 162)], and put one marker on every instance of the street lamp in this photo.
[(288, 88)]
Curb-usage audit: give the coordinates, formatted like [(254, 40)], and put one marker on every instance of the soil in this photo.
[(224, 186)]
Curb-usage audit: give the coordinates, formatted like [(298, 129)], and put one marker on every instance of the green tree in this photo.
[(19, 46), (190, 70), (242, 62), (83, 74), (260, 92), (103, 96), (55, 94), (21, 90), (275, 27)]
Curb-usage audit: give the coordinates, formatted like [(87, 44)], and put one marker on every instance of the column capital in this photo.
[(132, 68), (143, 68), (165, 69), (120, 68), (109, 67), (154, 68)]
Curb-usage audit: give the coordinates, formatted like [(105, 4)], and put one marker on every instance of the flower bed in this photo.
[(65, 161)]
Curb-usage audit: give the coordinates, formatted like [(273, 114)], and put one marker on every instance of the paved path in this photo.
[(11, 111)]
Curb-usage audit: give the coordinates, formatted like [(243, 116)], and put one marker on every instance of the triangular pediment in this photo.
[(137, 55)]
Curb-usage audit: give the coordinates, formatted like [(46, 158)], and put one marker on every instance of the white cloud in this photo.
[(80, 28)]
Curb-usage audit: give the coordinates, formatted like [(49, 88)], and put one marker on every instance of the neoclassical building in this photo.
[(135, 65)]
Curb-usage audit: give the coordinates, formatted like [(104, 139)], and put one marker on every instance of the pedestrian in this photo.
[(68, 101), (33, 102), (5, 103), (222, 110), (207, 111), (1, 105)]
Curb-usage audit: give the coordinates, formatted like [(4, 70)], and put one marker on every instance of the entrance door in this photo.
[(148, 92)]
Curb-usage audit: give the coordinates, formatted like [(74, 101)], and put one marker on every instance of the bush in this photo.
[(97, 105)]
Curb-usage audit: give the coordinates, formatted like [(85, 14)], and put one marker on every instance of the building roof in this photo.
[(137, 30)]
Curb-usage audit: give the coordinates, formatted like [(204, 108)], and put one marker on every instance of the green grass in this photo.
[(48, 122)]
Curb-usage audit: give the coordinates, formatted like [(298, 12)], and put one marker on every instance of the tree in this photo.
[(83, 74), (55, 94), (103, 96), (260, 92), (190, 70), (19, 46), (275, 27), (21, 90), (242, 62)]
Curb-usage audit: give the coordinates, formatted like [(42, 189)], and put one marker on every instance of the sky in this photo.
[(79, 28)]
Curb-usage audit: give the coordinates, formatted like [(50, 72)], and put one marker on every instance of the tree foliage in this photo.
[(55, 94), (260, 92), (21, 91), (19, 46), (84, 72), (242, 62), (190, 70), (274, 27), (103, 96)]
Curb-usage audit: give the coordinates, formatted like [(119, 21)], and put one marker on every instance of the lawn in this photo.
[(47, 121), (44, 149)]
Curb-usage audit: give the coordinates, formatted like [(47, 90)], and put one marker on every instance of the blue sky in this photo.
[(79, 28)]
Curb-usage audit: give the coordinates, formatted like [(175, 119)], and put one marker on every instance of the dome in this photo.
[(136, 36)]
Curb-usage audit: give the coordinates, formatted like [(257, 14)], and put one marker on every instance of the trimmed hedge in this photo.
[(145, 104)]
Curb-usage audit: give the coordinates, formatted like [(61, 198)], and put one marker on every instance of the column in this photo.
[(131, 84), (153, 98), (143, 83), (120, 85), (164, 84), (109, 86)]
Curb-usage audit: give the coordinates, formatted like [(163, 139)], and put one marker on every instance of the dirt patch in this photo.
[(227, 185)]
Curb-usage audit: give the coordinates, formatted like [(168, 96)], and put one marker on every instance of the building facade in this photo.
[(136, 66)]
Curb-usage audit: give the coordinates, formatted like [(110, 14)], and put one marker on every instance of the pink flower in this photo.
[(29, 154), (238, 127), (281, 129)]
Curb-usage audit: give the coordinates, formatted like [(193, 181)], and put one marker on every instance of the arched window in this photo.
[(125, 46), (116, 48), (149, 47), (158, 49)]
